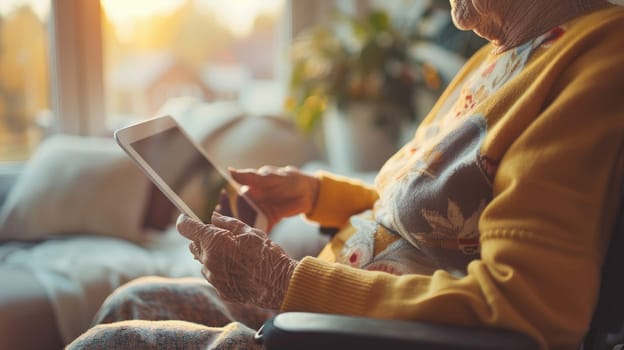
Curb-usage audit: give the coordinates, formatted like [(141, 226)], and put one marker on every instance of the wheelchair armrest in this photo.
[(300, 330)]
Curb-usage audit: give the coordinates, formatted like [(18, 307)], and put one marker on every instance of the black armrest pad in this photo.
[(295, 330)]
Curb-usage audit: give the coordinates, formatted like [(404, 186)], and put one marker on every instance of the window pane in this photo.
[(24, 86), (209, 49)]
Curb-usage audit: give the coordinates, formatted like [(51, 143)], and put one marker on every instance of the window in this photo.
[(155, 50), (63, 63), (85, 66), (24, 79)]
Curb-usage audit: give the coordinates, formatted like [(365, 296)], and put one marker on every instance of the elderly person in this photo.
[(497, 213)]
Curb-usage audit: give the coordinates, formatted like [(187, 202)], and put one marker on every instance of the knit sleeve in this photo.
[(339, 198)]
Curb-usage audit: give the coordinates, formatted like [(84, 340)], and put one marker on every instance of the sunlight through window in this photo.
[(156, 50), (24, 82)]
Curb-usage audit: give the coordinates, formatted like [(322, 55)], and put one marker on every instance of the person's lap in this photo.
[(147, 335), (155, 312)]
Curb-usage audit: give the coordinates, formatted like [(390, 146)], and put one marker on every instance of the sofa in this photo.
[(77, 219)]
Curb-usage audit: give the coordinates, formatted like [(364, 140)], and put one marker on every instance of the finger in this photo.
[(267, 170), (206, 273), (286, 170), (251, 177), (189, 227), (235, 227), (194, 248), (228, 223), (243, 176)]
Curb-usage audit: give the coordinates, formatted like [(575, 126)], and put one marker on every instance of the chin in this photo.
[(463, 14)]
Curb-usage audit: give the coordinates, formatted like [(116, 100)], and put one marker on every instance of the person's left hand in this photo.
[(240, 261)]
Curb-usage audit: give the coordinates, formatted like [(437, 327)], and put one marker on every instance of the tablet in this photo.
[(183, 171)]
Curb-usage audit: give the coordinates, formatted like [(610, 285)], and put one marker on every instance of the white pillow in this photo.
[(76, 185)]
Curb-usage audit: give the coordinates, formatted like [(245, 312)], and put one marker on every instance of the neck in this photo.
[(532, 19)]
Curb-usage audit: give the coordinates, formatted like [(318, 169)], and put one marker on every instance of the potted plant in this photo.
[(359, 68)]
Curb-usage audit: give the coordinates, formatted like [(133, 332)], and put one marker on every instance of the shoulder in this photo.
[(589, 56), (598, 27)]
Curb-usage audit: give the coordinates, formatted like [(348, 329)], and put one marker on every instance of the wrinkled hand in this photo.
[(241, 262), (279, 192)]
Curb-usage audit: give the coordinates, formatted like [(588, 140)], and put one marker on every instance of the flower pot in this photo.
[(361, 136)]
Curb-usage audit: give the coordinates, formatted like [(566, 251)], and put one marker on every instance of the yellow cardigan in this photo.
[(555, 138)]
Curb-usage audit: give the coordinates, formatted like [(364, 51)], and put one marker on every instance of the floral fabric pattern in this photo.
[(433, 191), (436, 203), (366, 249)]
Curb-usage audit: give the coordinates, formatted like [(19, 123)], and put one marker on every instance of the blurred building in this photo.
[(142, 84)]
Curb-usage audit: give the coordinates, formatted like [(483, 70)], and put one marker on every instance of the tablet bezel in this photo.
[(126, 136)]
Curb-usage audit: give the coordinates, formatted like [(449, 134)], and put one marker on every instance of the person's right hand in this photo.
[(279, 192)]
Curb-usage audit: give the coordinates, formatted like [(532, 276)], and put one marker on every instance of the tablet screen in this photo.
[(184, 169)]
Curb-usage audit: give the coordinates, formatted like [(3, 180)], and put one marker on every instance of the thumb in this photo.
[(243, 176), (189, 227)]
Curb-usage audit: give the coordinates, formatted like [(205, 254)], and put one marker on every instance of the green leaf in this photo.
[(379, 21)]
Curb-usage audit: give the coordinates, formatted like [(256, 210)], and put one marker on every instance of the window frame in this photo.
[(76, 67)]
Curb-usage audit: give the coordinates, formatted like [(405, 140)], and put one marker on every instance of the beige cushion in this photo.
[(76, 185), (254, 141), (234, 138)]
